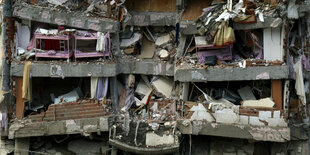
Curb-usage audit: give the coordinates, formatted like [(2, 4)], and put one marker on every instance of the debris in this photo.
[(299, 84), (147, 49), (201, 113), (262, 103), (153, 140), (72, 96), (292, 10), (246, 93), (163, 86), (132, 41), (162, 40), (130, 50), (226, 116), (163, 54)]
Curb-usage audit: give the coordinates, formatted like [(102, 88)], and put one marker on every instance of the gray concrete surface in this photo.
[(149, 67), (74, 20), (274, 134), (231, 74), (153, 18), (77, 126)]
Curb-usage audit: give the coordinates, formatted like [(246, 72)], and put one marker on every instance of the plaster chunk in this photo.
[(71, 126), (255, 121), (277, 114), (162, 40), (200, 113), (244, 119), (264, 115), (153, 139), (226, 116), (276, 122), (264, 103)]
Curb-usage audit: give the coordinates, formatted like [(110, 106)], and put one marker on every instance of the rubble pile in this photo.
[(89, 8), (149, 43), (232, 48)]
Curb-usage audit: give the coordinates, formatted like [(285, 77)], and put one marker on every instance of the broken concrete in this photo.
[(77, 126), (153, 140), (36, 13), (229, 74), (263, 133)]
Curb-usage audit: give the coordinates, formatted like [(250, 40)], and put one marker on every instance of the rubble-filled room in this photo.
[(157, 43), (227, 35), (40, 98), (257, 103), (147, 111)]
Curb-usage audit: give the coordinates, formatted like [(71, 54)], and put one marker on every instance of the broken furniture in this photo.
[(204, 49), (88, 49), (53, 46)]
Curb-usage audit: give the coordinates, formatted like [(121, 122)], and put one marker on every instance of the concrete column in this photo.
[(181, 47), (115, 44), (21, 146), (114, 93), (7, 42)]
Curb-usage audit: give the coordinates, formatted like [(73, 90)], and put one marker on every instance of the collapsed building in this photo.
[(155, 77)]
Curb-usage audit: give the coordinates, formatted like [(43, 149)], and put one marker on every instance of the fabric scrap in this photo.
[(26, 82), (224, 36), (102, 88), (299, 84)]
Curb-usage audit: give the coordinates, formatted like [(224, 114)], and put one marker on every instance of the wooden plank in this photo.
[(151, 5), (194, 9), (276, 86), (20, 106)]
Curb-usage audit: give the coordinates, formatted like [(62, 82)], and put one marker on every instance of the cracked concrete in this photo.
[(274, 134)]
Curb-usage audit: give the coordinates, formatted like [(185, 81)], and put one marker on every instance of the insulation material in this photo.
[(151, 5), (273, 44), (163, 86), (147, 49), (262, 103)]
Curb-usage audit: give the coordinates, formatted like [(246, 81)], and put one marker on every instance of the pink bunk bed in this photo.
[(53, 46), (89, 50)]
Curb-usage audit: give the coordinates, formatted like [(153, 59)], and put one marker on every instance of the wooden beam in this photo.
[(276, 86), (20, 106)]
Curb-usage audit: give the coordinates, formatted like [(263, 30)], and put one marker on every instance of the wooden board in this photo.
[(20, 106), (276, 86), (194, 9), (151, 5)]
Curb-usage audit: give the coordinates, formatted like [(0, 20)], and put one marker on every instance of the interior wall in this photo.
[(193, 8)]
